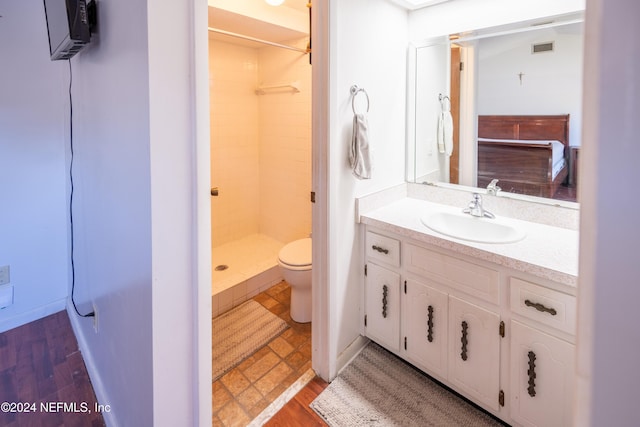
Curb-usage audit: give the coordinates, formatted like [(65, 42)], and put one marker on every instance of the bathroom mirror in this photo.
[(524, 69)]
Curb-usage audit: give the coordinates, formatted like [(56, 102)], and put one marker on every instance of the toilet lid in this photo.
[(296, 253)]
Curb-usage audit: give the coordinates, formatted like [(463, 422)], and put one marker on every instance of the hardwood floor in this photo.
[(41, 370), (40, 363), (297, 411), (567, 193)]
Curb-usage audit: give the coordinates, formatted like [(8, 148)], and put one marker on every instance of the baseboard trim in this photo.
[(350, 353), (94, 375), (20, 319)]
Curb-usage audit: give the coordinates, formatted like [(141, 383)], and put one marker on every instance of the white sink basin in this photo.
[(467, 227)]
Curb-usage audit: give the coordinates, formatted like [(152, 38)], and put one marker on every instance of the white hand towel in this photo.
[(359, 158), (440, 133), (445, 133)]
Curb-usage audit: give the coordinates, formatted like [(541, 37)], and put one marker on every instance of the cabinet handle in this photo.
[(430, 324), (379, 249), (463, 340), (385, 292), (540, 307), (532, 374)]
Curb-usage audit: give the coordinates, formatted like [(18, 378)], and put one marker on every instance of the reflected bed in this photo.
[(528, 154)]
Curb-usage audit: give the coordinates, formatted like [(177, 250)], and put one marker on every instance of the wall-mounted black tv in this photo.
[(68, 27)]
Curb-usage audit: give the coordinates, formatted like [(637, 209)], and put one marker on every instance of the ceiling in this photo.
[(255, 18), (300, 5)]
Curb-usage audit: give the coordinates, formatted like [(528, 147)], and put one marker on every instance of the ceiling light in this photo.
[(274, 2)]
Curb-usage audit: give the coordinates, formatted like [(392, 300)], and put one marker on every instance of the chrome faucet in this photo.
[(492, 188), (475, 208)]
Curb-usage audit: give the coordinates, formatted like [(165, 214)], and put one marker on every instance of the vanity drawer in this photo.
[(473, 279), (383, 248), (544, 305)]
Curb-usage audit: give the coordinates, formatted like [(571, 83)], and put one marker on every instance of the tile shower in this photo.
[(260, 163)]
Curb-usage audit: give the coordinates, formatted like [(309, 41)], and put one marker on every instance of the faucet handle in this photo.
[(474, 204), (492, 188)]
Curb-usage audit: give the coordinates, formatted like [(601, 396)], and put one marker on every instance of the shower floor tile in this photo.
[(244, 258), (244, 392)]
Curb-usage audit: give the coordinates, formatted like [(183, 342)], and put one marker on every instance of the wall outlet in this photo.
[(95, 318), (4, 275), (6, 296)]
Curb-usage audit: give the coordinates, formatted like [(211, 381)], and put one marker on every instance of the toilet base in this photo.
[(300, 305)]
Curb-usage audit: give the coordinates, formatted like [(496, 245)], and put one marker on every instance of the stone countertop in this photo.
[(546, 251)]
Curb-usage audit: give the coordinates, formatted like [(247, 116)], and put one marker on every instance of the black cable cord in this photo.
[(73, 269)]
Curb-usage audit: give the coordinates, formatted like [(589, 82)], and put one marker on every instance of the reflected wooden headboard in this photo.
[(525, 127)]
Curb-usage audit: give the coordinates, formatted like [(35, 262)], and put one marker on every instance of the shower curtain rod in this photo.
[(253, 39)]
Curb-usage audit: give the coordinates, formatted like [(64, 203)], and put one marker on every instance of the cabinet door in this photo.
[(474, 351), (542, 373), (424, 326), (382, 306)]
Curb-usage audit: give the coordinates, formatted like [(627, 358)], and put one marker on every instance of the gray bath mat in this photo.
[(378, 389), (240, 332)]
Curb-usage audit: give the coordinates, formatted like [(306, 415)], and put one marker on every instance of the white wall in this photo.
[(112, 211), (135, 158), (285, 144), (132, 243), (465, 15), (368, 45), (177, 85), (551, 81), (33, 173), (608, 336)]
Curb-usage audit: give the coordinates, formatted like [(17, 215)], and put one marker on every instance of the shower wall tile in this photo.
[(285, 144), (260, 144), (224, 301), (239, 293), (235, 150)]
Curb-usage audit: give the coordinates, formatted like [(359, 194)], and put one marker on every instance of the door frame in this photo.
[(321, 355)]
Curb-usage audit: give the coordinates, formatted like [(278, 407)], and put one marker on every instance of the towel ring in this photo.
[(354, 91)]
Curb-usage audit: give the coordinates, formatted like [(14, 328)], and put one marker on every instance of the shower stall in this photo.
[(260, 106)]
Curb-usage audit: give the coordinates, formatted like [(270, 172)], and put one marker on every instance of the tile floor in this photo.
[(244, 392)]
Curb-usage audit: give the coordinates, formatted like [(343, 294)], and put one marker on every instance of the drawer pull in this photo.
[(385, 292), (540, 307), (531, 372), (463, 340), (430, 323), (379, 249)]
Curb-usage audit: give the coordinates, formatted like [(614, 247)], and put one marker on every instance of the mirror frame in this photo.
[(412, 64), (468, 116)]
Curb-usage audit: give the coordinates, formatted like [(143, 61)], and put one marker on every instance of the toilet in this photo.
[(295, 264)]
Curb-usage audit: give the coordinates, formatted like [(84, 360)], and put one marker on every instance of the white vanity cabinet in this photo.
[(382, 306), (382, 291), (425, 333), (542, 373), (503, 342), (542, 365), (474, 351)]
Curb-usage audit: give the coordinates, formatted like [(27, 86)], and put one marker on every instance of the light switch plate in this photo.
[(4, 275), (6, 296)]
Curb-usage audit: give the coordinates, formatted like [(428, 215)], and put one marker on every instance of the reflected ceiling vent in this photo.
[(542, 47), (418, 4)]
